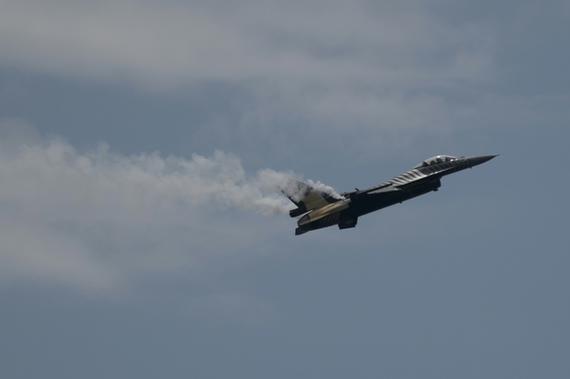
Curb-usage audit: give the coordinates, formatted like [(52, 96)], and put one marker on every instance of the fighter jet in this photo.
[(320, 208)]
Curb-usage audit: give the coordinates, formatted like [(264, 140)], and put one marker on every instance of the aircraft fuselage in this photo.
[(422, 179)]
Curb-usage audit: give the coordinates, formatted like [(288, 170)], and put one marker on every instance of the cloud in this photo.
[(169, 42), (361, 64), (95, 218)]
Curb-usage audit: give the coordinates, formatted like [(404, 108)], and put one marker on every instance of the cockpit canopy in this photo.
[(435, 160)]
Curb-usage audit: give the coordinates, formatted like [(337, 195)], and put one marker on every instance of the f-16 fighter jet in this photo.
[(321, 207)]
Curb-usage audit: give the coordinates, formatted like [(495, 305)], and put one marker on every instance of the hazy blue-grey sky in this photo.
[(138, 236)]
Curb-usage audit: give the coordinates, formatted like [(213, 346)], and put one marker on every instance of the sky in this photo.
[(141, 235)]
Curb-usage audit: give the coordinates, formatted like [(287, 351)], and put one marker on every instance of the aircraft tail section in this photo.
[(308, 197)]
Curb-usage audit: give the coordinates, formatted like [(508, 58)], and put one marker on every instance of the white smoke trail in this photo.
[(288, 183), (91, 217), (219, 180)]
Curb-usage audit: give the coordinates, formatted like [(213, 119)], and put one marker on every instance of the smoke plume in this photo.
[(92, 217), (41, 170)]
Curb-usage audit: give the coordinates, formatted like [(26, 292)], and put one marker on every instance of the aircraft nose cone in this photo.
[(486, 158), (475, 161)]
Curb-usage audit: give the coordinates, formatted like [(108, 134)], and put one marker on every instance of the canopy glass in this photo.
[(436, 160)]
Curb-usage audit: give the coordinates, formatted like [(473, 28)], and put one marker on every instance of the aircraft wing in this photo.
[(406, 184), (308, 196), (401, 184)]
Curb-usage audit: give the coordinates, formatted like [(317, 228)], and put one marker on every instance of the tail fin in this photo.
[(306, 197)]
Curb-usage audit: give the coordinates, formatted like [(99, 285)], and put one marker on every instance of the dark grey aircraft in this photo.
[(322, 207)]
